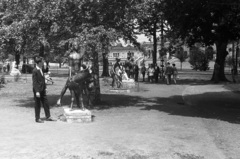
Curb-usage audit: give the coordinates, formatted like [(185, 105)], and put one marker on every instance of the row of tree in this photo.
[(51, 27)]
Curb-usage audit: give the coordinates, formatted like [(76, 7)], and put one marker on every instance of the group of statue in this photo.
[(81, 78), (80, 81), (120, 73)]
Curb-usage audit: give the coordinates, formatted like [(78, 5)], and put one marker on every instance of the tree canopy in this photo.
[(206, 21)]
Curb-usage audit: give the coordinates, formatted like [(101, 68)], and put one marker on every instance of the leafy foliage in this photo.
[(181, 55), (199, 60), (150, 20), (206, 21)]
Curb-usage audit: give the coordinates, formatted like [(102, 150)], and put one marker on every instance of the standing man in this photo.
[(136, 71), (143, 71), (39, 91), (151, 71), (8, 67), (168, 73)]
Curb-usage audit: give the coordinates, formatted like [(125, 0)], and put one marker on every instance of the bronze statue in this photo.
[(79, 81), (115, 73), (83, 81)]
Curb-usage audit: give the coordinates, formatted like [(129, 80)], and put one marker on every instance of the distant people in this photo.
[(216, 72), (121, 66), (175, 73), (8, 67), (127, 66), (143, 71), (4, 67), (156, 73), (168, 73), (132, 69), (136, 72), (151, 73)]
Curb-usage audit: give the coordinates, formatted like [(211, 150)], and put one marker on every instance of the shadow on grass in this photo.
[(189, 82), (221, 106)]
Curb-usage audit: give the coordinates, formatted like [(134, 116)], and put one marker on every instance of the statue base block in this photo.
[(77, 115), (129, 84), (120, 90)]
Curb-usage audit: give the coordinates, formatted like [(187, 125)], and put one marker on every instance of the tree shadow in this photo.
[(221, 106), (211, 105), (184, 82)]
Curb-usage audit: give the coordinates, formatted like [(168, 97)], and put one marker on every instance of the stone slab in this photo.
[(76, 112), (120, 90), (129, 84), (81, 119), (77, 115)]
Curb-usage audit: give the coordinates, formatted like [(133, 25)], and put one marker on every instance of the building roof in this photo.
[(119, 46)]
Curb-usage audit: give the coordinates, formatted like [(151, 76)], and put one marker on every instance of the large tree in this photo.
[(150, 21), (206, 21)]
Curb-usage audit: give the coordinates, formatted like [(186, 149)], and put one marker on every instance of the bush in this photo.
[(199, 60)]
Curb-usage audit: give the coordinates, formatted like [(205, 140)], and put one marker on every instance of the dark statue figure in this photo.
[(79, 81), (83, 81), (115, 74)]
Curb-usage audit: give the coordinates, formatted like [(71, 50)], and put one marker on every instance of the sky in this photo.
[(140, 38)]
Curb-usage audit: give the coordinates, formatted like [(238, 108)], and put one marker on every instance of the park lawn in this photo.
[(151, 123)]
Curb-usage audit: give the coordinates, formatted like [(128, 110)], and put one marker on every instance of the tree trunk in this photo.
[(236, 64), (221, 56), (41, 50), (154, 56), (105, 72), (97, 94)]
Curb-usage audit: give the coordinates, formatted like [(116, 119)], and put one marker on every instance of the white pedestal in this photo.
[(120, 90), (77, 115)]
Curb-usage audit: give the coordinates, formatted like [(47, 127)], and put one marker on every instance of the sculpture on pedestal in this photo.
[(79, 81)]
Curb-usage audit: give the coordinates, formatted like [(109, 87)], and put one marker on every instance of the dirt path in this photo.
[(151, 124)]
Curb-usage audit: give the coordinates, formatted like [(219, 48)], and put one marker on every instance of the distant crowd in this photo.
[(152, 73)]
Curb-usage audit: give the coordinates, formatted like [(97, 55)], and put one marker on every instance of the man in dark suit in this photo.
[(39, 91)]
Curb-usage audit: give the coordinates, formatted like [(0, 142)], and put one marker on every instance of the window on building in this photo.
[(115, 54), (130, 54)]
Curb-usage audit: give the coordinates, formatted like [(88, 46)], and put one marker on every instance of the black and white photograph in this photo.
[(119, 79)]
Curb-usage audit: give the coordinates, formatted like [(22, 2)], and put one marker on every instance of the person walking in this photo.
[(151, 73), (136, 72), (8, 67), (168, 73), (143, 71), (175, 73), (131, 69), (39, 91)]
